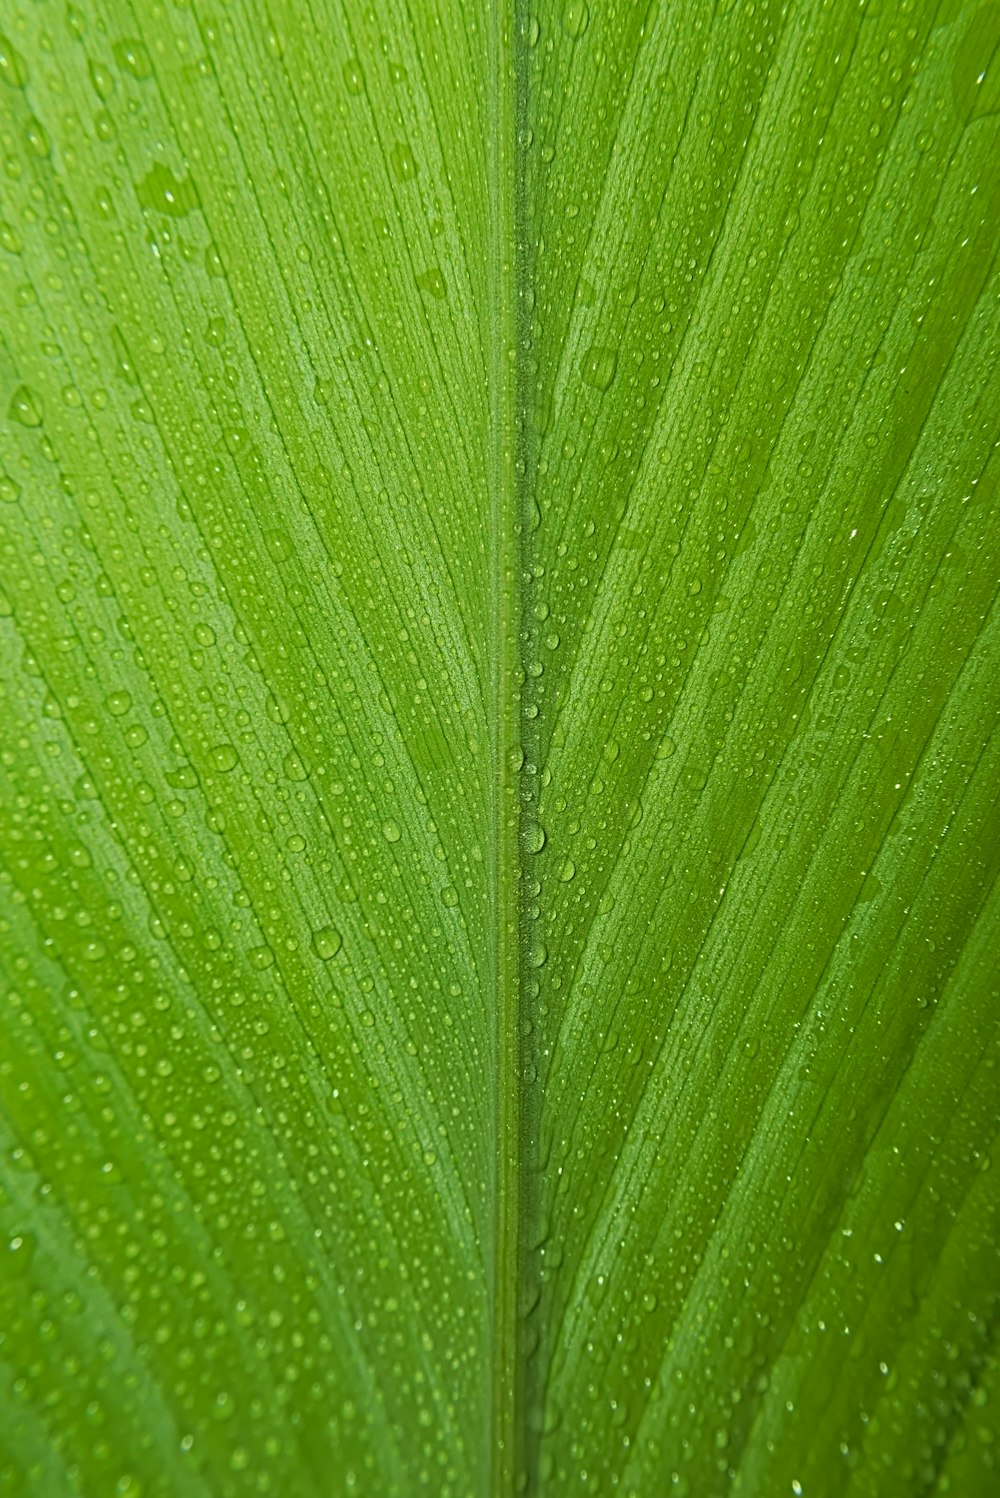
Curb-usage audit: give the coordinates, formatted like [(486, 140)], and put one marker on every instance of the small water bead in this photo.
[(118, 703), (101, 80), (223, 758), (538, 953), (391, 831), (598, 366), (449, 896), (25, 407), (534, 837), (432, 281), (13, 68), (293, 767), (327, 942), (279, 544), (213, 261), (567, 870), (36, 138), (184, 778), (354, 78), (132, 56), (161, 192), (575, 18), (403, 163)]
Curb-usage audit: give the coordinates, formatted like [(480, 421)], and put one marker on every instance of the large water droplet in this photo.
[(327, 942), (597, 368), (25, 407)]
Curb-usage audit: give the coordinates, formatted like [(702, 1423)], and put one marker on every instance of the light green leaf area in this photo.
[(500, 674)]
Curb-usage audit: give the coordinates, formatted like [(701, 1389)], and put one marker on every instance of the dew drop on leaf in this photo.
[(132, 56), (13, 68), (293, 766), (598, 366), (575, 18), (354, 79), (161, 192), (433, 283), (118, 703), (223, 758), (403, 164), (327, 942), (391, 831), (25, 407)]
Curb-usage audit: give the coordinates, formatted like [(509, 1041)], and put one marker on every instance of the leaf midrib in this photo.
[(507, 564)]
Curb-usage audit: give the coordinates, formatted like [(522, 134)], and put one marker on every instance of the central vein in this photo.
[(508, 480)]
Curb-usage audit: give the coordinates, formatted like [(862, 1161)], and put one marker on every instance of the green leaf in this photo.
[(499, 696)]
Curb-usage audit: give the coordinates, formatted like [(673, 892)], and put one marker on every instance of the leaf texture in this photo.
[(499, 663)]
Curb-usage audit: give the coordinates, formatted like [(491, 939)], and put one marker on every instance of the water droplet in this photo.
[(576, 18), (223, 758), (184, 778), (354, 78), (277, 709), (36, 137), (161, 192), (25, 407), (537, 953), (432, 282), (597, 368), (391, 831), (975, 77), (327, 942), (279, 545), (449, 896), (213, 261), (402, 161), (118, 703), (133, 57), (567, 870), (534, 837), (293, 766), (13, 68), (102, 81)]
